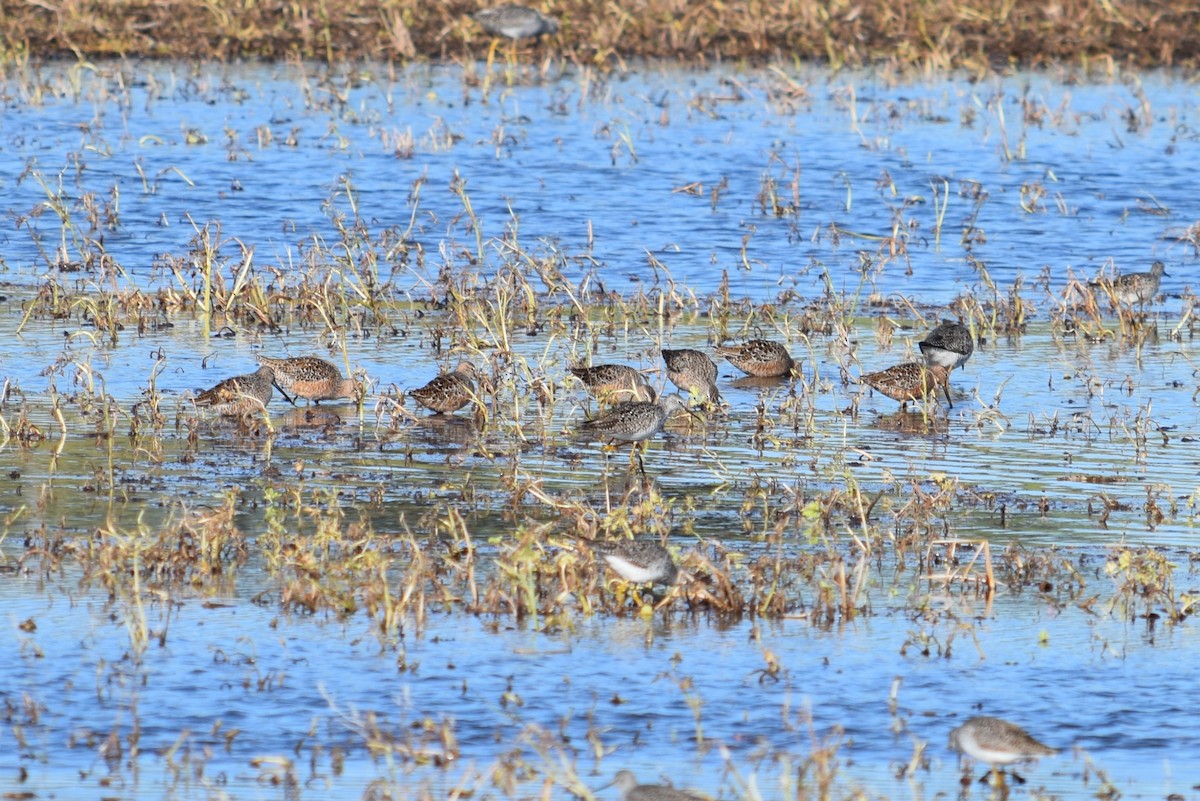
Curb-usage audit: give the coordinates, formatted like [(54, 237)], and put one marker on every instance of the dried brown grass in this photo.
[(977, 35)]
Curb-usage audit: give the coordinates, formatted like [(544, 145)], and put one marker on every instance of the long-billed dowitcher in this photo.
[(449, 392), (949, 345), (694, 373), (309, 377), (911, 381), (614, 382), (634, 421), (241, 395), (636, 561), (515, 22), (759, 357), (1139, 288), (995, 741), (627, 783)]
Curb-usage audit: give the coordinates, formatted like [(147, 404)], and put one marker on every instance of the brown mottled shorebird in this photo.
[(694, 373), (1139, 288), (996, 742), (636, 561), (911, 381), (449, 392), (310, 378), (949, 345), (759, 357), (515, 22), (240, 395), (627, 783), (614, 382), (634, 421)]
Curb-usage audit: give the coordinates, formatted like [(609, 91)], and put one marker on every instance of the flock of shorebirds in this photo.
[(635, 413), (638, 413)]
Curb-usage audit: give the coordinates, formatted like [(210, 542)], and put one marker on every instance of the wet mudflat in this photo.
[(346, 600)]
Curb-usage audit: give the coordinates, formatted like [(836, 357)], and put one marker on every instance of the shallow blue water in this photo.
[(1093, 687), (550, 160), (289, 682)]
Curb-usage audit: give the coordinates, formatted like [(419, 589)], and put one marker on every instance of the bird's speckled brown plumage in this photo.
[(449, 392), (240, 395), (759, 357)]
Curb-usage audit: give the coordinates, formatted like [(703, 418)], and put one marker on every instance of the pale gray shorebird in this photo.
[(759, 357), (636, 561), (1139, 288), (309, 377), (694, 373), (515, 22), (240, 395), (449, 392), (995, 742), (949, 345), (634, 421), (627, 783), (614, 382), (911, 381)]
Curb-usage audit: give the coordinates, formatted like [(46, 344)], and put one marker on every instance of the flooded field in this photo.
[(365, 600)]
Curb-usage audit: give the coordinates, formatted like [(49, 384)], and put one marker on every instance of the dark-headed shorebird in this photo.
[(759, 357), (449, 392), (949, 345), (310, 378), (515, 22), (911, 381), (694, 373), (995, 741), (241, 395), (614, 382)]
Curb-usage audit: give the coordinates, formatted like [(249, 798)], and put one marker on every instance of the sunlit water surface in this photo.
[(1074, 176)]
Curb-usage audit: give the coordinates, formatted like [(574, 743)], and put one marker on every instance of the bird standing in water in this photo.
[(911, 381), (634, 421), (694, 373), (614, 382), (760, 358), (1131, 288), (996, 741), (310, 378), (948, 345), (448, 392), (240, 395), (515, 22), (627, 783)]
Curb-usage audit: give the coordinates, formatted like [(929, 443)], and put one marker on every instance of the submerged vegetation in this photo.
[(977, 35)]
